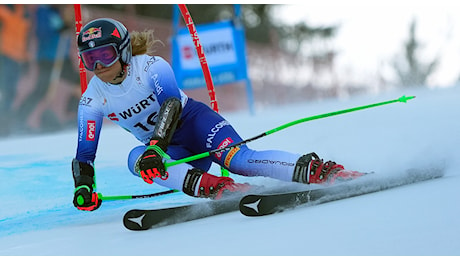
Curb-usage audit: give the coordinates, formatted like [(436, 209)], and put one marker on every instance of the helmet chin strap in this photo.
[(120, 75), (122, 72)]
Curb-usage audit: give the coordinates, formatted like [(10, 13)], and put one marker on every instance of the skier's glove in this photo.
[(151, 164), (85, 199)]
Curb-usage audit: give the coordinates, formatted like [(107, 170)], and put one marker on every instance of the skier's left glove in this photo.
[(84, 198), (151, 164)]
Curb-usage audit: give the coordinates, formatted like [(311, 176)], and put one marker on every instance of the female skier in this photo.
[(138, 91)]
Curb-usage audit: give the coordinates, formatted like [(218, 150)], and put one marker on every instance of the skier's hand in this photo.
[(85, 199), (151, 165)]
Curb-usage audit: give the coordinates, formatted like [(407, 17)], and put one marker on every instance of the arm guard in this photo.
[(169, 115), (83, 174)]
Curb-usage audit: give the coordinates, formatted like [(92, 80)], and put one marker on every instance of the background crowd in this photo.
[(287, 63), (39, 78)]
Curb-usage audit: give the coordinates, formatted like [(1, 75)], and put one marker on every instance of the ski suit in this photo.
[(134, 105)]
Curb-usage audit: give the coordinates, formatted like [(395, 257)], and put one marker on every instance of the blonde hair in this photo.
[(143, 42)]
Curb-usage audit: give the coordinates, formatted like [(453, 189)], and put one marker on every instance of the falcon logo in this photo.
[(214, 131)]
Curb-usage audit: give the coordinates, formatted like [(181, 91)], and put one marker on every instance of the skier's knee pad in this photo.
[(133, 157)]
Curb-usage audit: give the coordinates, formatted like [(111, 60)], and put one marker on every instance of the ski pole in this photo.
[(402, 99), (129, 197)]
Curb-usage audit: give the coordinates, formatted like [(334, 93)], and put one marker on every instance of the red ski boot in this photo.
[(311, 169), (204, 185)]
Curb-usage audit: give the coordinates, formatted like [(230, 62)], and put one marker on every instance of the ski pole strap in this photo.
[(158, 150), (82, 187)]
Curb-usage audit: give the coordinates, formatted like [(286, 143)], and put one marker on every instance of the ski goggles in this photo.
[(106, 55)]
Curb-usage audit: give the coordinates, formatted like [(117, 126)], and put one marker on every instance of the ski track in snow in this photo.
[(37, 216)]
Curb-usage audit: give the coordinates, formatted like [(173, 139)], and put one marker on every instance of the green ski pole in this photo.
[(402, 99), (129, 197)]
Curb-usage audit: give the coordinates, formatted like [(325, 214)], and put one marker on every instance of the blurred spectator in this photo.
[(14, 53), (53, 61), (58, 108)]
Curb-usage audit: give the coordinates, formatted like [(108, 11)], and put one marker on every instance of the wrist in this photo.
[(159, 146), (158, 150), (160, 142), (83, 174), (84, 187)]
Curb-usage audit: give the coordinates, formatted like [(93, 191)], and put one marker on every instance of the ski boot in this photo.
[(311, 169), (200, 184)]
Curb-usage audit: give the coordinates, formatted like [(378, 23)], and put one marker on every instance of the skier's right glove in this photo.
[(84, 198)]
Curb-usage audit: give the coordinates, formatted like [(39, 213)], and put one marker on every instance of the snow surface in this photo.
[(36, 188)]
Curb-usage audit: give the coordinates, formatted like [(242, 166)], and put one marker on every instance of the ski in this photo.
[(266, 204), (143, 219), (271, 200)]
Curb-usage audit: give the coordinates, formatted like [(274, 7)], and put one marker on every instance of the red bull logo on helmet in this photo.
[(91, 33)]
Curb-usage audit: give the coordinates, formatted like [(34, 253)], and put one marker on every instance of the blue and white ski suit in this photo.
[(134, 105)]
